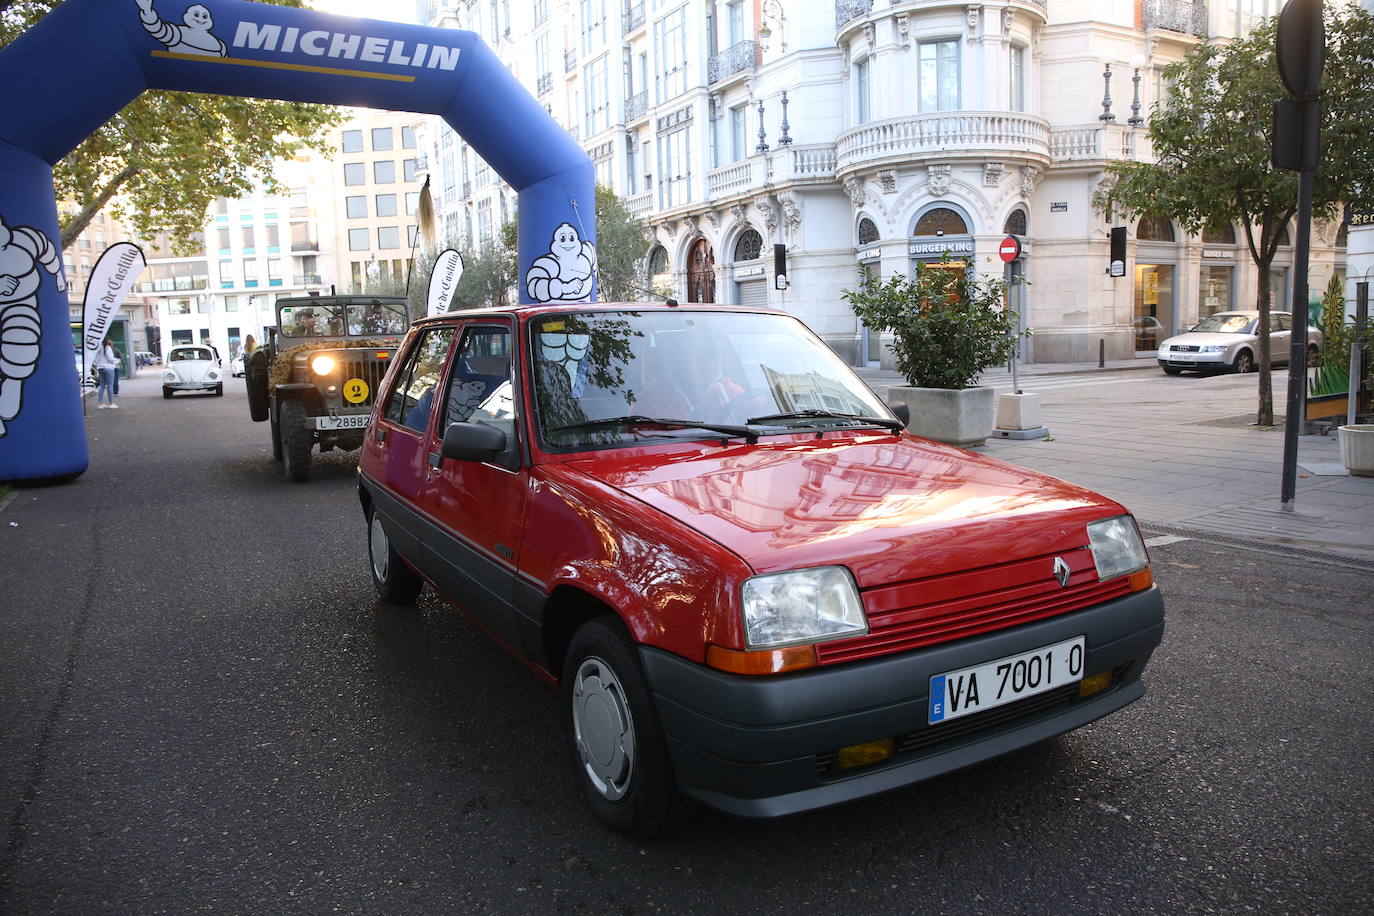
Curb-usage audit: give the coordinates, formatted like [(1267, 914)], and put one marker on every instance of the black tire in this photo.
[(296, 442), (166, 393), (1244, 362), (219, 390), (396, 582), (619, 755), (255, 382), (1171, 370), (276, 435)]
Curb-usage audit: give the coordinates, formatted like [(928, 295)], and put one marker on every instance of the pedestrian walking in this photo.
[(106, 368)]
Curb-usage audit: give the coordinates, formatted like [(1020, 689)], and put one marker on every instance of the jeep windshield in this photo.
[(363, 318), (615, 378)]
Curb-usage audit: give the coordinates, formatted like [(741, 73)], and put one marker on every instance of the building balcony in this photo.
[(740, 57), (305, 245), (1099, 143), (942, 135), (736, 178), (809, 164), (845, 10), (1186, 16), (633, 17), (641, 204), (636, 106), (544, 85), (569, 60), (306, 280)]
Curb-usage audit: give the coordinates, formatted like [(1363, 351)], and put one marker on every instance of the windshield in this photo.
[(365, 318), (190, 353), (1226, 324), (721, 369)]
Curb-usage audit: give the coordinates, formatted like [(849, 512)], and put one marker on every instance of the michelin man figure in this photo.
[(566, 273), (191, 36), (22, 250)]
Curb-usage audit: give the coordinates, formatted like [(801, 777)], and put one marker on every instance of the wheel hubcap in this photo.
[(379, 547), (603, 729)]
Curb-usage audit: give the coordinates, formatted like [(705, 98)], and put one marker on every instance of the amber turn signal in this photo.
[(1095, 684), (761, 661), (858, 755), (1141, 579)]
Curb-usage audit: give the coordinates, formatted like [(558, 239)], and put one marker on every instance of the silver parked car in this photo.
[(1230, 340)]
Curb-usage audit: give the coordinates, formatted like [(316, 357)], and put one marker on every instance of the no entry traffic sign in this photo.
[(1010, 249)]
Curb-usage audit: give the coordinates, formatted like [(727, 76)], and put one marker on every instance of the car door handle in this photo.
[(435, 459), (379, 433)]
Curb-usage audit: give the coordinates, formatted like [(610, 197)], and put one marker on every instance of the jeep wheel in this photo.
[(166, 393), (396, 582), (295, 441), (619, 754)]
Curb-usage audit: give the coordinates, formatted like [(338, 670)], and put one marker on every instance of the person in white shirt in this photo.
[(106, 365)]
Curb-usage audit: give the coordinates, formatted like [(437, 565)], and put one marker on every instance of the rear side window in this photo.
[(412, 397)]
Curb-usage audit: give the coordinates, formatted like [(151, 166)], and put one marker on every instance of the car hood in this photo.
[(191, 370), (890, 508), (1202, 339)]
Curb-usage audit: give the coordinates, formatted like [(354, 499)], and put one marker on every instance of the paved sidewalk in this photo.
[(1191, 466)]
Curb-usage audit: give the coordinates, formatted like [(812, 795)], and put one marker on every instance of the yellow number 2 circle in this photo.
[(355, 391)]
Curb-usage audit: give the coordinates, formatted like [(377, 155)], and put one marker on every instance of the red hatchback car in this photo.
[(754, 589)]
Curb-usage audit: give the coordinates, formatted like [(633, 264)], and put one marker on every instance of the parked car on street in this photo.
[(192, 368), (236, 366), (1230, 341), (755, 590), (146, 358)]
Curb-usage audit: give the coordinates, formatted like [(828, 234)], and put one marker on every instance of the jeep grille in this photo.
[(370, 371)]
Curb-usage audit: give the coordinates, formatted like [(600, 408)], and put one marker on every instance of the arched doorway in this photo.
[(701, 272), (751, 282)]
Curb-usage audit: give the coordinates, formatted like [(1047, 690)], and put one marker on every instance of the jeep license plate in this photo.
[(350, 421), (1006, 680)]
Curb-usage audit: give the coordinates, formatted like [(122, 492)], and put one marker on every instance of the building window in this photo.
[(355, 173), (357, 240), (226, 274), (1016, 223), (1214, 289), (484, 220), (178, 306), (384, 172), (381, 138), (941, 221), (862, 92), (749, 246), (357, 206), (231, 303), (734, 23), (674, 168), (412, 202), (597, 97), (1016, 91), (249, 243), (593, 25), (409, 169), (1154, 227), (739, 132), (386, 204), (274, 271), (1250, 13), (937, 75), (1224, 234), (389, 237), (352, 141), (250, 274), (205, 305), (868, 231), (273, 238), (411, 233), (670, 50), (223, 235)]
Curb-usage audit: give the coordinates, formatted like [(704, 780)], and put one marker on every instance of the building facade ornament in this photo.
[(903, 29), (1030, 177), (768, 211), (854, 187), (740, 213), (975, 22), (938, 180), (870, 34), (992, 174), (887, 180), (713, 218), (1008, 16), (691, 222), (791, 213)]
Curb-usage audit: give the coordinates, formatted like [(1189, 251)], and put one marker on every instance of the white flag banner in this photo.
[(443, 282), (111, 279)]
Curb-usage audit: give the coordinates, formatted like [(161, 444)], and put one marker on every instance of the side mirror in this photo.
[(473, 442), (902, 412)]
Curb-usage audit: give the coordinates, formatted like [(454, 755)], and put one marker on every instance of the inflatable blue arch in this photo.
[(88, 58)]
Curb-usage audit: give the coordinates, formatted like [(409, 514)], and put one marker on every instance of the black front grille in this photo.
[(1183, 348), (370, 371)]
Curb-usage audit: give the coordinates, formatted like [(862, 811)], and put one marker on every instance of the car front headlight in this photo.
[(1117, 547), (169, 375), (322, 365), (212, 374), (1213, 348), (800, 606)]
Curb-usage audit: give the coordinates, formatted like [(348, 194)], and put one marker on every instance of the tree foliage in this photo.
[(622, 248), (1212, 145), (159, 163), (947, 326)]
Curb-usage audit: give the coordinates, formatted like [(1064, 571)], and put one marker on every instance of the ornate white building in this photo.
[(878, 134)]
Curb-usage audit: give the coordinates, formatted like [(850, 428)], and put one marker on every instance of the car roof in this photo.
[(532, 310)]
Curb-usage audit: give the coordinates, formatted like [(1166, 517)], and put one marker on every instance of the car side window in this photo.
[(1283, 322), (480, 389), (412, 397)]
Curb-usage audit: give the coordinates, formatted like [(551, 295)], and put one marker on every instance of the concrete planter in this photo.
[(1357, 449), (962, 417)]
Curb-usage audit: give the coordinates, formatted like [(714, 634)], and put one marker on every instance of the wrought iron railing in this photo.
[(846, 10), (637, 106), (739, 57), (1186, 16), (633, 17), (544, 84), (569, 60)]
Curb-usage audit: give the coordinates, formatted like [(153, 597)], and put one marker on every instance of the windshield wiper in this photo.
[(638, 420), (812, 413)]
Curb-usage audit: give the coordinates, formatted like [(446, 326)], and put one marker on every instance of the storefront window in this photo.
[(1214, 289), (1154, 305)]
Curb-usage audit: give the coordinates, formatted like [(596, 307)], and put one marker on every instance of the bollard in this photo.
[(1102, 353)]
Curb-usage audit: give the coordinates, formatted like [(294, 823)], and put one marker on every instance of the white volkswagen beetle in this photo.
[(193, 368)]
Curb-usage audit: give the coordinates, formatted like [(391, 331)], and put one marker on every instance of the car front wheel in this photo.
[(166, 393), (619, 754), (1244, 362), (396, 582), (296, 442), (1172, 370)]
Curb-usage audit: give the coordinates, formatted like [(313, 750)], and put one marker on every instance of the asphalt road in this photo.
[(203, 709)]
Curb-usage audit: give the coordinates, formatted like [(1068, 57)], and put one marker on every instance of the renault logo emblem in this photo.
[(1062, 571)]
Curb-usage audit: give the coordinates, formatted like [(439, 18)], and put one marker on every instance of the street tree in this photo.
[(1212, 142), (622, 248), (161, 161)]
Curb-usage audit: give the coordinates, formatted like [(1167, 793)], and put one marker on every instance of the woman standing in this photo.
[(106, 365)]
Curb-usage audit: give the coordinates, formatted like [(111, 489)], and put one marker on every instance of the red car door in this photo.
[(477, 508)]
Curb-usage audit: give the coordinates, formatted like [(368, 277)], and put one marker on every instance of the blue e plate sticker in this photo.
[(937, 698)]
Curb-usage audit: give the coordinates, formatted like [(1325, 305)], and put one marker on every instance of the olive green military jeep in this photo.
[(319, 370)]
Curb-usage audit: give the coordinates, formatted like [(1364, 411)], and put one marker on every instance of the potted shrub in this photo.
[(947, 327)]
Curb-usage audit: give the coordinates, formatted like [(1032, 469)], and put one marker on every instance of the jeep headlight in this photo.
[(322, 365), (1117, 547), (800, 606)]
